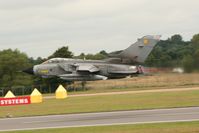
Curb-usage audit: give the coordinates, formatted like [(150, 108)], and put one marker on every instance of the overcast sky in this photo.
[(39, 27)]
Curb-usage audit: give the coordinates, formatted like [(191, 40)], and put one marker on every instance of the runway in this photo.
[(129, 92), (99, 119)]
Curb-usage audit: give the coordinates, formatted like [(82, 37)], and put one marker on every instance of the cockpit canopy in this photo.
[(59, 60)]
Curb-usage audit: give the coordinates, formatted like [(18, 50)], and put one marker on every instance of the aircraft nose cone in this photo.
[(29, 70)]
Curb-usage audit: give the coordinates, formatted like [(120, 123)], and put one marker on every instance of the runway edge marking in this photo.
[(90, 125)]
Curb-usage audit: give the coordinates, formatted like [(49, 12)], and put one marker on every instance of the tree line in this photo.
[(173, 52)]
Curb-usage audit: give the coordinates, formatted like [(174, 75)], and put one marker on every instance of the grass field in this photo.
[(180, 127), (157, 81), (106, 103)]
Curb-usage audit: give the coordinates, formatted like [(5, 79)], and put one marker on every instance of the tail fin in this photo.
[(139, 51)]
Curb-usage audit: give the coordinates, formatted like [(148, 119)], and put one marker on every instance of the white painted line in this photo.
[(98, 113)]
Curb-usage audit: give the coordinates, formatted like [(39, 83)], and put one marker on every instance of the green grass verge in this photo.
[(105, 103), (179, 127)]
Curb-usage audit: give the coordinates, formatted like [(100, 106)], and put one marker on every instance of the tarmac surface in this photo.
[(100, 119), (128, 92)]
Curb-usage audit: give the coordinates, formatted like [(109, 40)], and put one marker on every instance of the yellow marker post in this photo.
[(9, 95), (61, 92), (146, 41), (36, 96)]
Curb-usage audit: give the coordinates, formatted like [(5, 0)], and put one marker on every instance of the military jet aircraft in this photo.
[(120, 64)]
